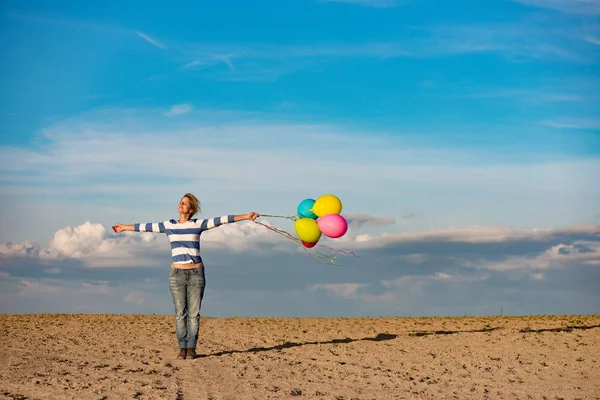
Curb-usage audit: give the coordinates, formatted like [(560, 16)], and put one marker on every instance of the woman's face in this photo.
[(184, 206)]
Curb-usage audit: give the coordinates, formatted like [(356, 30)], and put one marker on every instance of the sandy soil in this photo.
[(134, 357)]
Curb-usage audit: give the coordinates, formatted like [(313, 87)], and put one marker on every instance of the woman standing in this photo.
[(186, 279)]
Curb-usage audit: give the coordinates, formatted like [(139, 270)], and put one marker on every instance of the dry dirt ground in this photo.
[(134, 357)]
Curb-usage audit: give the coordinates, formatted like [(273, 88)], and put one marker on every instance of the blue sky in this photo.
[(463, 139)]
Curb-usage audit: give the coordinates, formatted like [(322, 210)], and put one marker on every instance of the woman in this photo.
[(186, 280)]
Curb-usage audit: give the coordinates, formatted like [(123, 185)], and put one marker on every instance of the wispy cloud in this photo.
[(150, 40), (209, 60), (573, 123), (592, 40), (367, 3), (269, 62), (97, 157), (363, 219), (345, 290), (587, 7), (409, 215), (478, 234), (531, 95), (65, 21), (179, 109), (517, 42), (70, 22), (114, 143), (558, 256)]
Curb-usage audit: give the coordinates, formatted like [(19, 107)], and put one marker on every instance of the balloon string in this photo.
[(292, 217), (318, 256), (279, 231), (339, 251)]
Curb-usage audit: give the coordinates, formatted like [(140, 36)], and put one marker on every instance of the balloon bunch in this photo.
[(315, 218), (320, 217)]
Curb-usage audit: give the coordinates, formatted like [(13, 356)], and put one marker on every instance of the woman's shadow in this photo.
[(287, 345)]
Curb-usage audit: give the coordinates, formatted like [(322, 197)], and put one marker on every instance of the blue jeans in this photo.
[(187, 288)]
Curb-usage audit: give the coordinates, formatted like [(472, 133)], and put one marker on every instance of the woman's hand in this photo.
[(252, 216), (118, 228)]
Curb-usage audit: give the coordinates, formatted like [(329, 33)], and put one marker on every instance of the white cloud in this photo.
[(27, 295), (592, 40), (345, 290), (524, 40), (93, 245), (419, 281), (457, 278), (22, 249), (80, 240), (363, 219), (92, 146), (209, 60), (355, 291), (98, 157), (534, 96), (135, 298), (179, 109), (150, 40), (470, 234), (464, 268), (538, 276), (414, 282), (573, 123), (27, 287), (558, 256)]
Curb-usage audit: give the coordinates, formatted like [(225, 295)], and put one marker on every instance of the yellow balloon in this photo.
[(307, 230), (327, 204)]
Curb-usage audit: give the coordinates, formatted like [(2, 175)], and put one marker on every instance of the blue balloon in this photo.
[(305, 209)]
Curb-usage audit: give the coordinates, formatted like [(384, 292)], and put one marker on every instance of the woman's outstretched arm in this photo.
[(211, 223), (151, 227), (242, 217)]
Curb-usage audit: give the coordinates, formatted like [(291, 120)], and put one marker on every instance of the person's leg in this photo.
[(195, 293), (178, 285)]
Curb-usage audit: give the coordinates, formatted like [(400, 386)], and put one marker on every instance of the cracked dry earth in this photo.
[(134, 357)]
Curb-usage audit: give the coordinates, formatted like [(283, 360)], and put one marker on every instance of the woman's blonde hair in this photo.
[(194, 203)]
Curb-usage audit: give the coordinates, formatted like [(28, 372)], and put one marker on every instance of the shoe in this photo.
[(191, 353), (182, 354)]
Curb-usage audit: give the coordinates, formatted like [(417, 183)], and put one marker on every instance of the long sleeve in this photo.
[(207, 224), (156, 227)]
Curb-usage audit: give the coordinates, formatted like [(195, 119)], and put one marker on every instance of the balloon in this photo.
[(308, 245), (305, 209), (333, 225), (327, 204), (307, 230)]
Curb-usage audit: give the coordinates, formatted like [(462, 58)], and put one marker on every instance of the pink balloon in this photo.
[(333, 225)]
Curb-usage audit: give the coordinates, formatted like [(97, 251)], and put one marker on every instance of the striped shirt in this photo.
[(184, 238)]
